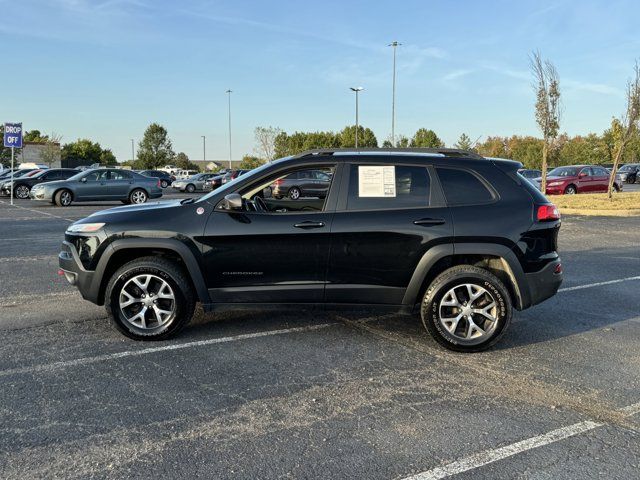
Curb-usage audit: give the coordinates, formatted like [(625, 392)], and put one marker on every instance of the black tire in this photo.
[(190, 188), (138, 196), (456, 278), (570, 190), (21, 192), (294, 193), (165, 269), (63, 198), (164, 184), (631, 178)]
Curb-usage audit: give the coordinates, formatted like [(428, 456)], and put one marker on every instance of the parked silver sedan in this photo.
[(192, 184)]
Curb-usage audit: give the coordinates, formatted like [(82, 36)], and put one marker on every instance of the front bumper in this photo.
[(39, 195), (555, 190), (545, 283), (75, 273)]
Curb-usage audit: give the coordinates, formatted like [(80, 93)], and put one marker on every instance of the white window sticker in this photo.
[(374, 181)]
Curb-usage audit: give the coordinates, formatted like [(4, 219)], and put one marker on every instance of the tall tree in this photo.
[(249, 162), (51, 150), (155, 148), (182, 161), (426, 139), (35, 136), (402, 141), (366, 137), (266, 141), (546, 84), (628, 122), (465, 143), (107, 158), (83, 149)]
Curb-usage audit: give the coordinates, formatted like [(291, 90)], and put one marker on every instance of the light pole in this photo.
[(356, 90), (204, 149), (133, 155), (395, 45), (229, 97)]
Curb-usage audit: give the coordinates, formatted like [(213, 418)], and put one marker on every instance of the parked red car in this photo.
[(574, 179)]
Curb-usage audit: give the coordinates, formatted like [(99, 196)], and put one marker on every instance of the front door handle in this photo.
[(429, 221), (309, 224)]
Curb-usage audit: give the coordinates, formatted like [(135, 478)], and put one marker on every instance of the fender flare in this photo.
[(510, 262), (176, 246)]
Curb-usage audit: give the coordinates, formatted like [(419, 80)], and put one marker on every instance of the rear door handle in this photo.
[(309, 224), (429, 221)]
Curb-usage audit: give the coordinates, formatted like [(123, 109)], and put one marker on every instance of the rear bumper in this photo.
[(74, 272), (544, 284)]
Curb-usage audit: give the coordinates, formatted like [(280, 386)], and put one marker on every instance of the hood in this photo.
[(139, 208), (54, 183)]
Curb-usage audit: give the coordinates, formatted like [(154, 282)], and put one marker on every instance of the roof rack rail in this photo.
[(446, 152)]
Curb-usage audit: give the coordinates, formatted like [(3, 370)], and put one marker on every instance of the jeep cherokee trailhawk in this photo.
[(459, 238)]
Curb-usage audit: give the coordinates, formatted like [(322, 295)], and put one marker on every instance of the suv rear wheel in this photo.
[(466, 309), (149, 299)]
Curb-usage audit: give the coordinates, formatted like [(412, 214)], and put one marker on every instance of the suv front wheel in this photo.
[(466, 309), (149, 299)]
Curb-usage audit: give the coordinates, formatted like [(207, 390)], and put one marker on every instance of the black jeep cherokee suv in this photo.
[(460, 238)]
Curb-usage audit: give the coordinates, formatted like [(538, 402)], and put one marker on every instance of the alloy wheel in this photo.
[(147, 302), (22, 192), (294, 194), (138, 196), (65, 198), (468, 312)]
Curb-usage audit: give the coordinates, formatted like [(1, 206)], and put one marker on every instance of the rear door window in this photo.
[(373, 187), (461, 187)]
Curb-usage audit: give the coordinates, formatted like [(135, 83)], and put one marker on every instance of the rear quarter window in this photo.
[(461, 187)]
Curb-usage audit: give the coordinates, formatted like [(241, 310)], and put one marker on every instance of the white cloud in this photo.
[(456, 74)]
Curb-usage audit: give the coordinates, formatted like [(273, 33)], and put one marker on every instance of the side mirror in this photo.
[(233, 201), (83, 179), (582, 175)]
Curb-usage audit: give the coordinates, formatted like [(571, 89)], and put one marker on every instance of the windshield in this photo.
[(79, 175), (227, 187), (628, 168), (39, 174), (564, 172)]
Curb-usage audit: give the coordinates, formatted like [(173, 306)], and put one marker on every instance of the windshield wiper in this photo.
[(186, 200)]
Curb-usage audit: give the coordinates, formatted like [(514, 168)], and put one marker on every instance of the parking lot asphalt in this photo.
[(318, 395)]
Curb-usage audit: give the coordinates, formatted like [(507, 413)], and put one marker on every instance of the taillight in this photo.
[(159, 184), (548, 213), (278, 182)]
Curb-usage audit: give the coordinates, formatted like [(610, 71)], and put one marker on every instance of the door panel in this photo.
[(275, 256), (266, 258), (378, 239), (374, 254)]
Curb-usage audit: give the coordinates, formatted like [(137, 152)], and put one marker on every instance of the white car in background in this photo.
[(171, 169), (184, 174)]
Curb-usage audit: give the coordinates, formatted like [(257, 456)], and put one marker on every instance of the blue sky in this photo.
[(105, 69)]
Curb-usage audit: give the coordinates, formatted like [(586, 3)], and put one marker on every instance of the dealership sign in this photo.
[(13, 135)]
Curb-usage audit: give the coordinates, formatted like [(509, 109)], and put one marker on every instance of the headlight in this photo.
[(555, 184), (85, 227)]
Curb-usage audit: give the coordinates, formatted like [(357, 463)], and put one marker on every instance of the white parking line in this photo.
[(489, 456), (599, 284), (39, 211), (134, 353)]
